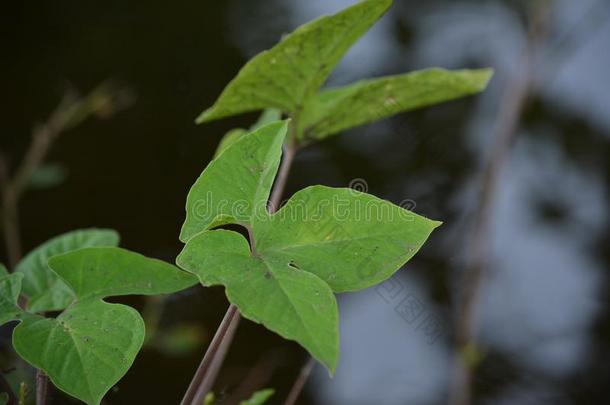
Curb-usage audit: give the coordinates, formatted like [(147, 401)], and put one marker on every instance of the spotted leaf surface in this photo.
[(293, 70), (294, 303), (86, 349), (335, 110), (235, 186), (323, 240)]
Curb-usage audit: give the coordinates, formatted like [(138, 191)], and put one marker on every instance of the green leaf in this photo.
[(236, 183), (259, 397), (291, 302), (4, 398), (86, 349), (92, 344), (44, 290), (10, 287), (293, 70), (338, 109), (323, 239), (349, 239), (3, 270), (209, 399), (109, 271)]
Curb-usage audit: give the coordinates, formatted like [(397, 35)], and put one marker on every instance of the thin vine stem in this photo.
[(42, 388), (210, 365), (506, 128), (299, 383)]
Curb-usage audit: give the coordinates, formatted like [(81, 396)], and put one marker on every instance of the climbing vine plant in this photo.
[(286, 272), (91, 344), (323, 240)]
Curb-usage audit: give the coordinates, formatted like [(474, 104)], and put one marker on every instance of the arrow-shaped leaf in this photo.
[(323, 239), (293, 70), (86, 349), (237, 183), (334, 110)]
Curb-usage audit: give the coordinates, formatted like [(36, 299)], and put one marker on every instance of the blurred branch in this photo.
[(102, 102), (572, 38), (518, 89), (299, 383)]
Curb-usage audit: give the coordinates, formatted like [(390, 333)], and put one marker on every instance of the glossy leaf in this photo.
[(338, 109), (259, 397), (10, 287), (349, 239), (237, 183), (293, 70), (86, 349), (110, 271), (291, 302), (44, 290)]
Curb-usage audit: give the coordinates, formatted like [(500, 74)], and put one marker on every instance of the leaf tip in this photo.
[(481, 78), (201, 118)]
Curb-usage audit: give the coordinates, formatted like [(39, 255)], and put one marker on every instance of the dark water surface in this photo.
[(544, 319)]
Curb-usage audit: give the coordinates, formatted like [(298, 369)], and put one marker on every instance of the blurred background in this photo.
[(518, 174)]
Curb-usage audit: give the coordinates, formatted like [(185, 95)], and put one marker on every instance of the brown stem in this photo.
[(206, 374), (506, 127), (209, 366), (42, 388), (299, 384), (282, 176)]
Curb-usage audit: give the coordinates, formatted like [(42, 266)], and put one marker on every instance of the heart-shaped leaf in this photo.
[(86, 349), (91, 344), (293, 70), (44, 290)]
